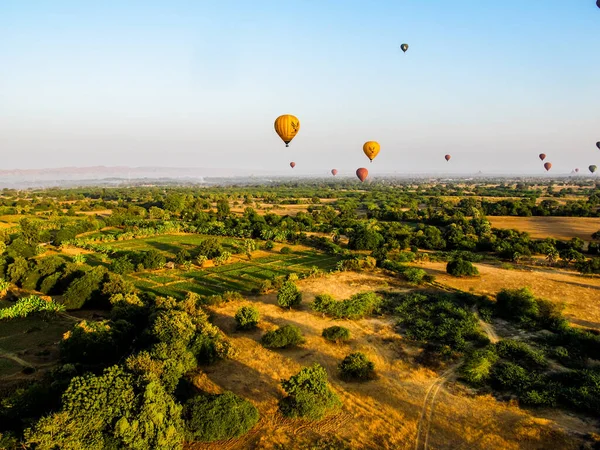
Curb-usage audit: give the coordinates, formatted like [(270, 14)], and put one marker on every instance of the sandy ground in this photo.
[(554, 227), (380, 414)]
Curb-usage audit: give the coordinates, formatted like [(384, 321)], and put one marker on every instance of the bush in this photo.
[(210, 247), (336, 334), (285, 250), (356, 307), (247, 317), (414, 275), (356, 366), (517, 304), (309, 395), (49, 282), (269, 245), (521, 353), (284, 337), (510, 376), (30, 305), (85, 289), (289, 295), (461, 268), (218, 417), (478, 366), (122, 266)]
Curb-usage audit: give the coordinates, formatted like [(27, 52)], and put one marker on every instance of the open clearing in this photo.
[(380, 414), (578, 293), (553, 227)]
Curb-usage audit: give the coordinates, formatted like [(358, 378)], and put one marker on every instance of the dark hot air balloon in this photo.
[(334, 172), (292, 164), (598, 143), (592, 168), (447, 157), (598, 3), (547, 166), (542, 156), (362, 174), (577, 169), (404, 47)]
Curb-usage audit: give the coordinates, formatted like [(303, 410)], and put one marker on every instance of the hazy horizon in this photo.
[(189, 84)]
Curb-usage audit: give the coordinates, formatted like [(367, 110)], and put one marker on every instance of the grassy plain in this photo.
[(553, 227), (579, 293), (380, 414)]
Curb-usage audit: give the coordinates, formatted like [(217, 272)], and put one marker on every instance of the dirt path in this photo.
[(424, 426), (487, 328), (15, 358)]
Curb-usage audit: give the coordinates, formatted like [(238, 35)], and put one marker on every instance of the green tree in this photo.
[(247, 317), (289, 295), (309, 395), (356, 366), (461, 268), (283, 337)]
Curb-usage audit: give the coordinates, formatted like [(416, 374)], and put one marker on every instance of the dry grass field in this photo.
[(380, 414), (553, 227), (577, 292)]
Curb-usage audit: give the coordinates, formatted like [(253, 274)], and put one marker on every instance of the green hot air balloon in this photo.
[(404, 47), (592, 168)]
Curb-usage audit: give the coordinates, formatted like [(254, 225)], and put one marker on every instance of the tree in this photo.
[(461, 268), (218, 417), (210, 248), (289, 295), (223, 209), (284, 337), (336, 334), (247, 317), (356, 366), (309, 395), (182, 256)]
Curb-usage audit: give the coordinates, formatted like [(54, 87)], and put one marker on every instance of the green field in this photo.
[(170, 244), (239, 276)]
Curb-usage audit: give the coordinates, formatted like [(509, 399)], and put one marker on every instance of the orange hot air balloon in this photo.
[(447, 157), (371, 149), (287, 126), (542, 156), (334, 172), (362, 174), (547, 166), (292, 164)]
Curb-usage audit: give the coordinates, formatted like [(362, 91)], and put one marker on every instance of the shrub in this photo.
[(517, 304), (28, 306), (309, 395), (182, 256), (269, 245), (356, 366), (521, 353), (285, 250), (218, 417), (49, 282), (478, 366), (85, 289), (284, 337), (122, 266), (510, 376), (461, 268), (210, 247), (153, 259), (414, 275), (356, 307), (289, 295), (247, 317), (336, 334)]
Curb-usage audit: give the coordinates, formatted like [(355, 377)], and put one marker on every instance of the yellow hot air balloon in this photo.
[(371, 149), (287, 126)]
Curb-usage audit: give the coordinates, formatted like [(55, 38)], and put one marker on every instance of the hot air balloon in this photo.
[(287, 126), (598, 3), (547, 166), (592, 168), (447, 157), (362, 174), (292, 164), (598, 143), (404, 47), (577, 169), (371, 149), (334, 172), (542, 156)]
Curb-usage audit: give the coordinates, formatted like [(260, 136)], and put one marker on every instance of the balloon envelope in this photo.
[(598, 3), (334, 172), (577, 169), (371, 149), (287, 126), (548, 166), (292, 164), (598, 143), (404, 47), (542, 156), (592, 168), (447, 157), (362, 173)]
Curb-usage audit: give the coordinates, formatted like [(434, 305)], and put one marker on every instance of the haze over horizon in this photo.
[(189, 84)]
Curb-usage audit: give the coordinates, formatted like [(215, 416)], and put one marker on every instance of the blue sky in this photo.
[(199, 83)]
